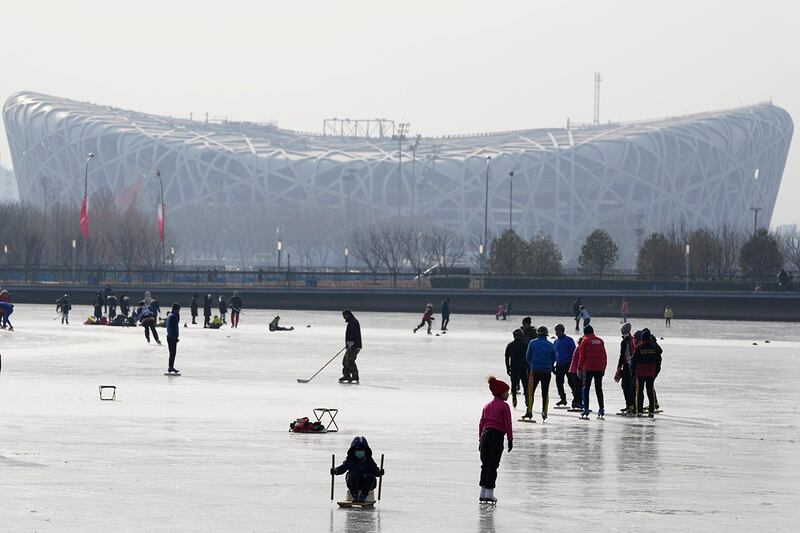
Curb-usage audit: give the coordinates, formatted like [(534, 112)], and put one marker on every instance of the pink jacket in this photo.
[(496, 415), (573, 365)]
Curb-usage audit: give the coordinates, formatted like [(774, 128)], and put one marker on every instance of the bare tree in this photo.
[(446, 247)]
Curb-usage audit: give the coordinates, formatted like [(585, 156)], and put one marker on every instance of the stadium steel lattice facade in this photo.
[(706, 169)]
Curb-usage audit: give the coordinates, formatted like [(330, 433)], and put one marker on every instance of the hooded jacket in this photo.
[(646, 362), (355, 466), (592, 354), (516, 363)]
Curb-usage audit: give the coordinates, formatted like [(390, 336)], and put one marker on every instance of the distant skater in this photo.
[(222, 305), (111, 304), (624, 311), (194, 308), (352, 343), (585, 316), (495, 424), (541, 356), (427, 318), (173, 330), (445, 313), (206, 310), (125, 305), (517, 366), (576, 312), (668, 317), (63, 306), (146, 317), (591, 366), (624, 374), (275, 325), (98, 303), (235, 304)]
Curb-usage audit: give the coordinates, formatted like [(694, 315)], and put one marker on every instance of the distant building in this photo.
[(8, 186), (701, 170)]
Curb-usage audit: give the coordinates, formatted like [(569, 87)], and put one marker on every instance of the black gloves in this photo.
[(333, 471), (510, 444), (381, 472)]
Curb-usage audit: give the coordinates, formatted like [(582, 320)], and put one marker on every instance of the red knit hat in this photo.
[(497, 387)]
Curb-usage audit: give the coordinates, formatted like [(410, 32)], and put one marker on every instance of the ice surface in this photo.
[(211, 451)]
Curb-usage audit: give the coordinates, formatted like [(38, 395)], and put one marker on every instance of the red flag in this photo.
[(160, 221), (84, 219)]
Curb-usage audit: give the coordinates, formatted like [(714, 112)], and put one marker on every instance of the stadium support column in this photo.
[(486, 217), (84, 222), (687, 266), (755, 211)]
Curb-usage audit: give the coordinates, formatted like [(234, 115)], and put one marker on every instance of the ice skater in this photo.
[(585, 316), (427, 318), (235, 303), (206, 310), (576, 312), (6, 309), (111, 304), (541, 356), (63, 307), (517, 366), (146, 317), (624, 311), (591, 367), (624, 373), (362, 471), (125, 305), (502, 312), (565, 347), (495, 424), (173, 330), (222, 305), (445, 313), (352, 343), (275, 325), (668, 317), (193, 308), (528, 331), (98, 303), (574, 379), (646, 365)]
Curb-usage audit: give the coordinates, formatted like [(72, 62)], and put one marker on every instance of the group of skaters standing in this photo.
[(531, 359), (232, 304)]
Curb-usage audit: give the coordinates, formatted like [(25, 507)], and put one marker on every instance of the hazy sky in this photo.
[(444, 66)]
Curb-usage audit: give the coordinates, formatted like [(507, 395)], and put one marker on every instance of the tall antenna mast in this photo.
[(596, 118)]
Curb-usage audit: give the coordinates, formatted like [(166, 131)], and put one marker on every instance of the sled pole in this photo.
[(333, 465), (380, 481), (299, 380)]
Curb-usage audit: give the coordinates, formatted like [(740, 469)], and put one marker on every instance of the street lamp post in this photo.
[(89, 157), (510, 197), (687, 266), (346, 257), (280, 249), (163, 222), (486, 212), (480, 252), (172, 256), (755, 211), (74, 245)]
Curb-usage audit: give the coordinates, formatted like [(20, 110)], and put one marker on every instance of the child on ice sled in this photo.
[(362, 471), (495, 423)]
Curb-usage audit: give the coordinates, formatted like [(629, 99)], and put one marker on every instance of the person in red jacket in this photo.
[(427, 318), (495, 423), (592, 362), (574, 379), (645, 366)]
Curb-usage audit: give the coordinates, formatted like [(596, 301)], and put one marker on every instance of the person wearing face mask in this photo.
[(362, 471), (495, 423)]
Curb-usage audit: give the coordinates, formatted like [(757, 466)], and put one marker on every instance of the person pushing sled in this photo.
[(362, 473)]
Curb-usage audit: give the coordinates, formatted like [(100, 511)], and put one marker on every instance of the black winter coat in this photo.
[(353, 333), (358, 467), (516, 363)]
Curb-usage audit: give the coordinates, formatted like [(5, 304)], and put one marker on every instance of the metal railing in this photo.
[(358, 279)]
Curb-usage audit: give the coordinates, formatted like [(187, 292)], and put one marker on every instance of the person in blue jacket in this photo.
[(541, 356), (362, 471), (565, 347), (173, 330)]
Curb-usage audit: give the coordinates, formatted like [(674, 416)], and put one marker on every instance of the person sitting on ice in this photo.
[(215, 323), (427, 318), (362, 471), (274, 326)]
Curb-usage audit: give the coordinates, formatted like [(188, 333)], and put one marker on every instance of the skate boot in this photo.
[(585, 414), (514, 401), (415, 330), (482, 497), (344, 379), (158, 342), (527, 414), (429, 333), (651, 414), (174, 370), (490, 496), (601, 414), (562, 402), (544, 416)]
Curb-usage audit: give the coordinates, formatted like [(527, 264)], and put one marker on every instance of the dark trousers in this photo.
[(234, 319), (422, 324), (598, 389), (561, 371), (172, 344), (360, 483), (519, 381), (586, 321), (65, 317), (349, 367), (148, 327), (577, 322), (445, 321), (206, 320), (576, 385), (543, 377), (194, 318), (641, 385), (98, 312), (628, 387), (491, 452)]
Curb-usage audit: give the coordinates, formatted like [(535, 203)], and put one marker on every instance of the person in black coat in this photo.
[(223, 308), (194, 308), (352, 342), (206, 310), (125, 305), (235, 304), (517, 365), (362, 471), (111, 302), (98, 305)]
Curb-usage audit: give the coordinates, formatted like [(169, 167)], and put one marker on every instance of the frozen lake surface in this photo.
[(211, 451)]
